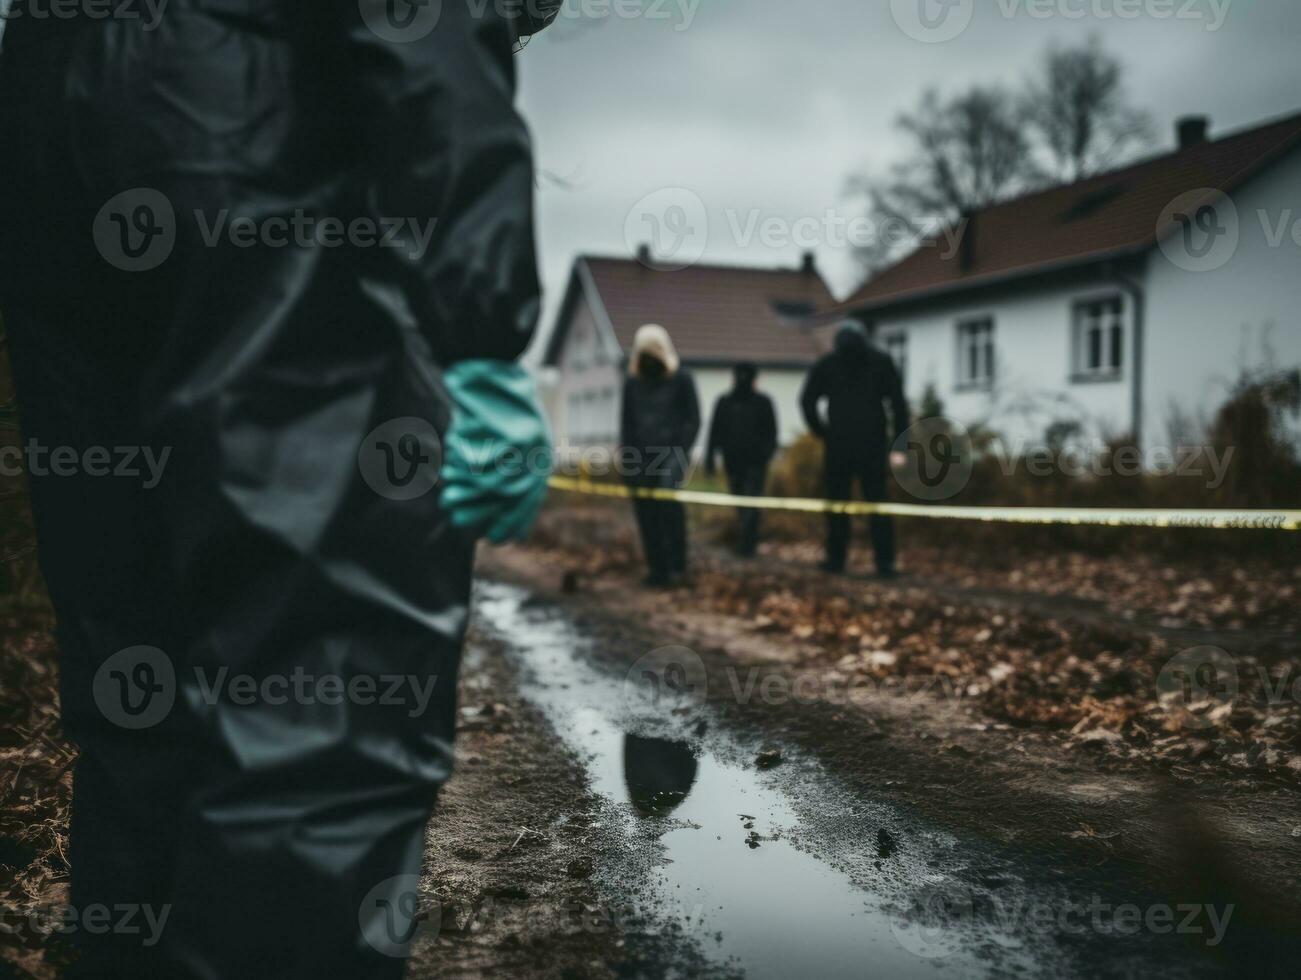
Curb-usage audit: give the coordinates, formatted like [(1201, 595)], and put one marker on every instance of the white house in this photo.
[(717, 316), (1124, 301)]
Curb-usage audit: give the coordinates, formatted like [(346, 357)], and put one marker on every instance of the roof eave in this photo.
[(975, 283)]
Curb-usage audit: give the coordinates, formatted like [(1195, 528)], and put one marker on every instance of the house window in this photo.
[(606, 428), (976, 353), (896, 345), (1100, 339)]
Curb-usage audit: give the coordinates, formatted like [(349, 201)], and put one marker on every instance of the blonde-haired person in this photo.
[(660, 423)]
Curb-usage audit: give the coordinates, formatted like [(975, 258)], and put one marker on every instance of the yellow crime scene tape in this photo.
[(1221, 520)]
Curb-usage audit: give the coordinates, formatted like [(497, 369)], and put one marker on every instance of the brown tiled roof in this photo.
[(715, 314), (1102, 217)]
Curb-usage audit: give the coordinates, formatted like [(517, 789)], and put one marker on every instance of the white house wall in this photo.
[(585, 406), (1034, 356), (1206, 328)]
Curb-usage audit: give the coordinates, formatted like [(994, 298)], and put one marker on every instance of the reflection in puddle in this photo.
[(659, 774), (732, 877)]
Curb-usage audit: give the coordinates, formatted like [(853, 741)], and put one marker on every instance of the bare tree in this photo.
[(1079, 113), (984, 146), (968, 152)]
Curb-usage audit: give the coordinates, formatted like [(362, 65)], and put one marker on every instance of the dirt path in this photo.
[(529, 873), (916, 829), (1179, 834)]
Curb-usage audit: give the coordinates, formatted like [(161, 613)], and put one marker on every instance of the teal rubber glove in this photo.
[(497, 454)]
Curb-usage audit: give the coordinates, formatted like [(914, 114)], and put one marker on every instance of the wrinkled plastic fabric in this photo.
[(278, 834), (497, 456)]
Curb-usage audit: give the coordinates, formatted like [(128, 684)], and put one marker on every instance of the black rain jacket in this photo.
[(856, 381), (743, 429), (247, 238), (659, 425)]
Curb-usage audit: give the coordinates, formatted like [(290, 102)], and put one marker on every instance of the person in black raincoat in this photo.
[(659, 425), (744, 430), (248, 242), (856, 381)]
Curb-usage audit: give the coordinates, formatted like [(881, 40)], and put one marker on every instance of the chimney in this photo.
[(1192, 130), (644, 254), (809, 264), (967, 243)]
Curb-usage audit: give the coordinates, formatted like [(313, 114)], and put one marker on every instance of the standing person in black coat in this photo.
[(856, 381), (661, 420), (253, 246), (744, 430)]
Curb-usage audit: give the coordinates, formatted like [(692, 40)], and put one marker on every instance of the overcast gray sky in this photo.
[(765, 107)]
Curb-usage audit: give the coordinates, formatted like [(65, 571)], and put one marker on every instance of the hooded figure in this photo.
[(659, 426), (249, 243), (856, 381), (744, 430)]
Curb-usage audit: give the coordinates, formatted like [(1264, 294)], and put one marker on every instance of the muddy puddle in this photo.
[(771, 866)]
